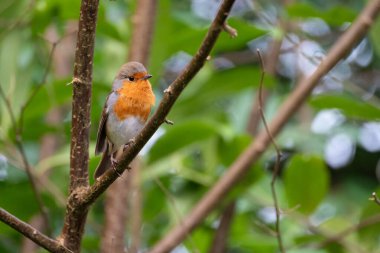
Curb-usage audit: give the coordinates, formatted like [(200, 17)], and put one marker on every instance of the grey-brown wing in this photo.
[(101, 141)]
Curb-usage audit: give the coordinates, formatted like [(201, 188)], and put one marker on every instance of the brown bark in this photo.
[(28, 246), (32, 233), (75, 218)]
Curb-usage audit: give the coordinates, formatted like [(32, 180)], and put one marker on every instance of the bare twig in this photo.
[(243, 163), (32, 233), (230, 30), (75, 218), (375, 198), (278, 157), (271, 58), (169, 122)]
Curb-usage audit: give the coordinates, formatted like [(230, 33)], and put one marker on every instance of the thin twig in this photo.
[(278, 156), (375, 198), (169, 122), (230, 30), (32, 233)]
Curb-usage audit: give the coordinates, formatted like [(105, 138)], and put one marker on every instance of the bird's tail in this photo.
[(104, 164)]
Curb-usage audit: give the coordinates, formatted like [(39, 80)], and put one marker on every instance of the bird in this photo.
[(125, 113)]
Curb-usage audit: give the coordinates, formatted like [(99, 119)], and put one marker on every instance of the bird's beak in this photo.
[(146, 77)]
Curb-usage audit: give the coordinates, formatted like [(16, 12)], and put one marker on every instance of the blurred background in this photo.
[(331, 148)]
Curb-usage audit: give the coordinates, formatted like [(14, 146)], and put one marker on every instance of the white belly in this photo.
[(120, 132)]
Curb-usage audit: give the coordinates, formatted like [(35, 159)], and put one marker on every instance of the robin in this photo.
[(124, 114)]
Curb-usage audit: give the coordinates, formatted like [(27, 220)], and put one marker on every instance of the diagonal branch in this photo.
[(170, 96), (239, 168), (32, 233)]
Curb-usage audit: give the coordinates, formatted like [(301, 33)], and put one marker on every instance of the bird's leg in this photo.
[(114, 161)]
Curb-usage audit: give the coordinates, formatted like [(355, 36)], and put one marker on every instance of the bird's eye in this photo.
[(131, 78)]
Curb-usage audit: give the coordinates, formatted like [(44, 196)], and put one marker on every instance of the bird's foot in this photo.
[(114, 164), (129, 143)]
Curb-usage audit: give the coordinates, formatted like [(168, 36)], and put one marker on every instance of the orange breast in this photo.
[(135, 99)]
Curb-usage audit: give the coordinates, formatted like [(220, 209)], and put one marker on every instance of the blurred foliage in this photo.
[(318, 200)]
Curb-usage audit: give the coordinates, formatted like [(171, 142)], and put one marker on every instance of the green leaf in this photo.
[(335, 16), (306, 182), (349, 106), (13, 194), (221, 84), (179, 136), (50, 95), (229, 150), (374, 35)]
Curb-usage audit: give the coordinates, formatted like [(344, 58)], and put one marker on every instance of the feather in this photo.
[(101, 141)]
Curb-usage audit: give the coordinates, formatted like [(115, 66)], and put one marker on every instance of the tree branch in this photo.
[(238, 169), (171, 94), (82, 83), (32, 233)]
